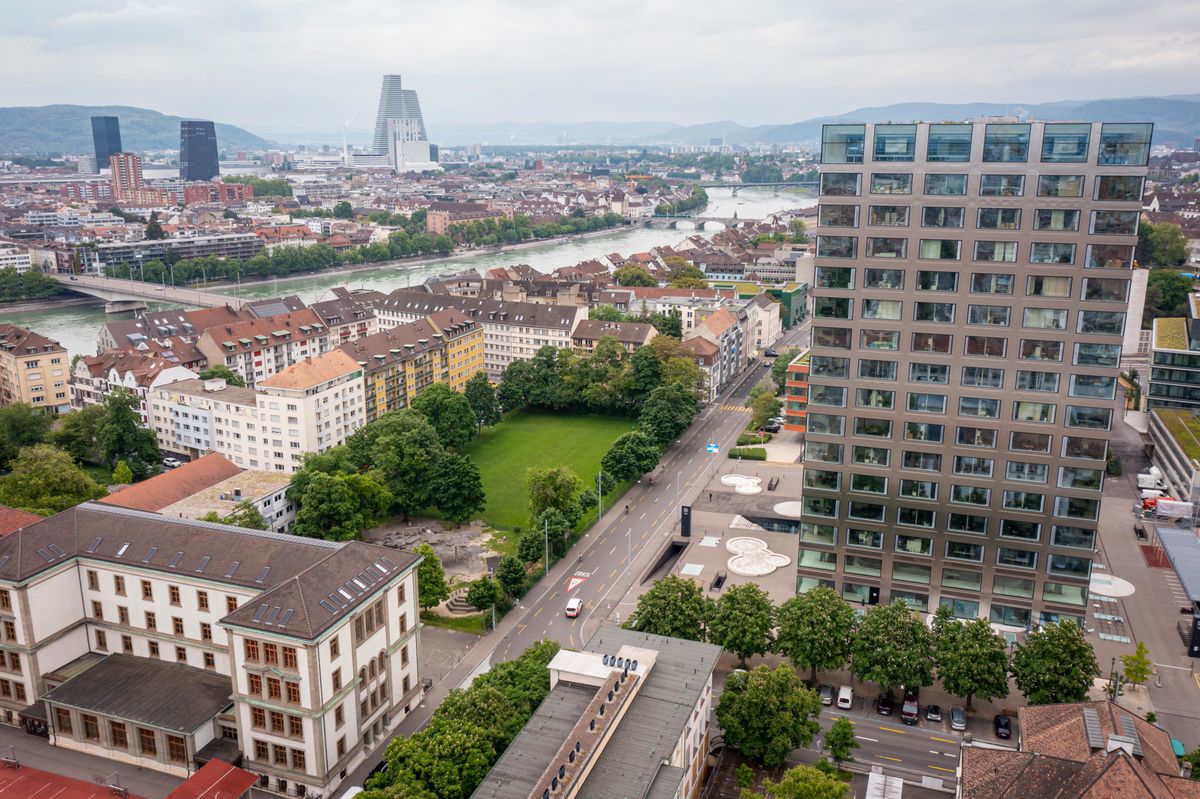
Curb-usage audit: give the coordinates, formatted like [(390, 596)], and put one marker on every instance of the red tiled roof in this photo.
[(12, 519), (216, 780), (169, 487)]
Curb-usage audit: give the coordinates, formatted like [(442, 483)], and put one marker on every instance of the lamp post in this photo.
[(599, 497), (547, 532)]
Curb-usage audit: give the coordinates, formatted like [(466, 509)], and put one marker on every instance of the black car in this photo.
[(1003, 726), (884, 705), (770, 352)]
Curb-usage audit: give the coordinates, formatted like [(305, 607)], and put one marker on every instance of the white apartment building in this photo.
[(12, 257), (194, 417), (161, 643), (258, 348), (764, 325)]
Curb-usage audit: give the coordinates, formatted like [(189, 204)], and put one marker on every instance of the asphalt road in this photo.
[(930, 749)]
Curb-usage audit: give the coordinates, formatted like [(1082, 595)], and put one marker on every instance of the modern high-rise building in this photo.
[(106, 137), (396, 103), (198, 150), (124, 173), (971, 293)]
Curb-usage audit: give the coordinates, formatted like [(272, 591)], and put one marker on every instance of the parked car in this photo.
[(958, 719), (826, 692), (770, 427), (933, 713), (171, 463), (1003, 726), (884, 705), (845, 700), (574, 605), (910, 711), (771, 352)]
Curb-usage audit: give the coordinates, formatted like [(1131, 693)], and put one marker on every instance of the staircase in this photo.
[(457, 603)]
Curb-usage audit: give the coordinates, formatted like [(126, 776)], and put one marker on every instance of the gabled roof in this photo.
[(171, 486), (12, 519), (216, 779)]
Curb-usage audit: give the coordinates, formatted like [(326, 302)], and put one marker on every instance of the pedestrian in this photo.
[(710, 496)]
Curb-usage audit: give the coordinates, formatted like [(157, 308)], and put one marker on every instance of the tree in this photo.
[(1056, 664), (762, 408), (122, 475), (673, 607), (343, 210), (1137, 666), (405, 449), (972, 660), (531, 545), (510, 573), (483, 593), (892, 647), (339, 507), (431, 578), (1161, 244), (450, 414), (154, 229), (552, 524), (840, 741), (482, 398), (44, 480), (21, 425), (457, 488), (742, 621), (122, 437), (667, 412), (77, 433), (634, 275), (779, 368), (803, 782), (814, 630), (1167, 293), (550, 487), (768, 713), (222, 372), (244, 514), (630, 456)]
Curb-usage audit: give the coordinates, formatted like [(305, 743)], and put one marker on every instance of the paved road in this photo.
[(929, 750)]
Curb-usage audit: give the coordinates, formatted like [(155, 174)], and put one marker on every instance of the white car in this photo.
[(574, 605), (171, 463)]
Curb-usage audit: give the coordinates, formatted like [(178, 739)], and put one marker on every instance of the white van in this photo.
[(845, 700), (352, 792)]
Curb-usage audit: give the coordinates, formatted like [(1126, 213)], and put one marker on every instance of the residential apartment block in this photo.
[(33, 370), (161, 643), (630, 335), (257, 348), (238, 246), (719, 343), (1175, 360), (972, 287)]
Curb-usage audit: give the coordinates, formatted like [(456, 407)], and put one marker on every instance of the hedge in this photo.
[(748, 453)]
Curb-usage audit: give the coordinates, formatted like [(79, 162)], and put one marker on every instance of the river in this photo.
[(77, 328)]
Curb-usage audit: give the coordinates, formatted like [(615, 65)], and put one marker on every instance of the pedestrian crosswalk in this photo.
[(739, 408)]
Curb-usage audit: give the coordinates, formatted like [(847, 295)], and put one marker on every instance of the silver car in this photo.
[(958, 719), (826, 692)]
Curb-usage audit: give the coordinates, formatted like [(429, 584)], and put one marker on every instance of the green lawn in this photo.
[(531, 438)]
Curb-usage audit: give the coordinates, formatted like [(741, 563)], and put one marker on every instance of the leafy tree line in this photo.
[(667, 324), (1167, 292), (888, 645), (697, 199), (262, 187), (450, 757), (1161, 244), (32, 285), (493, 231)]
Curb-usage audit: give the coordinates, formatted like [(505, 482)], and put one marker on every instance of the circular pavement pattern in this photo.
[(1108, 585), (791, 508), (751, 558)]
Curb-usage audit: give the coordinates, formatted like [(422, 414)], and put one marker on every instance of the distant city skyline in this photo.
[(769, 61)]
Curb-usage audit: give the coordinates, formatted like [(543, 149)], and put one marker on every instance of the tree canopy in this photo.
[(340, 506), (634, 275), (431, 578), (743, 620), (1055, 664), (674, 607), (122, 437), (223, 372), (815, 629), (1161, 244), (803, 782), (21, 425), (972, 660), (892, 647), (450, 414), (43, 479), (768, 713), (631, 455)]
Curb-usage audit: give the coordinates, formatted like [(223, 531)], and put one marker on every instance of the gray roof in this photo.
[(632, 758), (527, 314), (170, 696), (1183, 550)]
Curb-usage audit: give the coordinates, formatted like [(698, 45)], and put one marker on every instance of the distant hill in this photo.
[(67, 129)]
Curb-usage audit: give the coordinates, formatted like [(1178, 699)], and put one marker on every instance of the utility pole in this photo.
[(599, 497), (547, 546)]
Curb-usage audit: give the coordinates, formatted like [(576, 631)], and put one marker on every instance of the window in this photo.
[(928, 373), (274, 688), (295, 727), (837, 246), (874, 428), (857, 564), (871, 369), (831, 337), (1045, 318), (999, 219), (818, 533), (971, 466), (271, 654), (289, 657), (1065, 143), (992, 315), (101, 640), (1092, 449), (1089, 418), (1115, 223), (1123, 188), (1012, 617), (202, 600), (827, 423), (822, 366), (62, 721), (1109, 256), (822, 452), (970, 495), (1003, 251), (926, 403), (949, 143), (1105, 289), (173, 594), (961, 579), (1093, 386), (1040, 412), (922, 461), (1042, 253), (1062, 186), (946, 185), (838, 216), (1056, 219), (1016, 558), (298, 762), (840, 184), (868, 484), (875, 278), (254, 684), (1006, 143), (151, 621), (93, 580), (887, 310), (940, 249), (1125, 144), (932, 342), (210, 660), (147, 743), (886, 248), (1040, 349), (960, 550), (251, 650), (914, 545), (843, 144), (147, 590), (1012, 586), (1026, 472), (891, 183), (879, 339), (870, 456), (967, 523), (834, 277), (117, 735), (976, 437), (934, 312), (1077, 508), (894, 142), (1080, 478), (127, 644), (822, 479), (937, 281), (985, 346), (1047, 286), (176, 749), (1029, 442), (230, 604), (919, 489), (279, 755), (827, 395), (982, 377), (97, 610), (867, 539), (942, 217), (1002, 185), (923, 431), (1097, 355), (1074, 537), (1024, 501), (820, 506), (205, 631), (177, 625)]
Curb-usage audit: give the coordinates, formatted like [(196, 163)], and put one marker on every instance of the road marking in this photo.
[(894, 759), (614, 574), (539, 610), (934, 752), (943, 740), (950, 754), (893, 729), (865, 738), (643, 515), (613, 550), (521, 628), (939, 768)]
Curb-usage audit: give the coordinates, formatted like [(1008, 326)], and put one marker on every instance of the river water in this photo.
[(77, 327)]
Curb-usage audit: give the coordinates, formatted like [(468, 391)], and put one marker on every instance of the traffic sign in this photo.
[(712, 448), (577, 579)]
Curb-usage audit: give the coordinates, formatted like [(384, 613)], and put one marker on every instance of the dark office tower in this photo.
[(198, 150), (106, 135)]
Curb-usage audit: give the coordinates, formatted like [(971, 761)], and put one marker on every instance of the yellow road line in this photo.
[(939, 768), (893, 729), (943, 740), (1196, 677), (538, 611), (885, 757)]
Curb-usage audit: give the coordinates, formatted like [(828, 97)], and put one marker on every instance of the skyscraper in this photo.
[(971, 293), (396, 103), (198, 150), (106, 136)]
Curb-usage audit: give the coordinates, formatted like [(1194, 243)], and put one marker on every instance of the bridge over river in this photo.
[(131, 295)]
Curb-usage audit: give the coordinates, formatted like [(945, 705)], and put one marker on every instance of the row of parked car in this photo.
[(910, 709)]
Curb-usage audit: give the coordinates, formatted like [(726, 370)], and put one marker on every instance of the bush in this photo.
[(753, 438), (1113, 468), (748, 453)]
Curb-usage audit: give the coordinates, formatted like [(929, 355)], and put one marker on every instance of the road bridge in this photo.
[(131, 295), (777, 185)]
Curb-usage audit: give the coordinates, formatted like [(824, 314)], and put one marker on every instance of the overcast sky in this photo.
[(310, 64)]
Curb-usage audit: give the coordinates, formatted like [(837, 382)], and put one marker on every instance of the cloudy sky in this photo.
[(310, 64)]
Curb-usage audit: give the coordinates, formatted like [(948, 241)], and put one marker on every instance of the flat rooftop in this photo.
[(1170, 334), (223, 497), (1184, 427)]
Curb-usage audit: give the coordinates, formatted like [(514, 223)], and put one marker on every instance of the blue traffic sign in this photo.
[(712, 447)]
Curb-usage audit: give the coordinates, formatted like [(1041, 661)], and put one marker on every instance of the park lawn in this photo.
[(533, 438)]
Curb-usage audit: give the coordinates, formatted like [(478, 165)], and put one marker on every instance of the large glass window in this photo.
[(876, 278), (1049, 253), (1057, 219), (1093, 386), (942, 216), (979, 407), (999, 219), (1061, 593), (1045, 318), (967, 523), (870, 456), (870, 369), (1119, 188), (829, 424), (1089, 418), (837, 246), (961, 550), (911, 572), (867, 539), (971, 466), (1097, 355), (924, 431), (1065, 143), (937, 281), (886, 248), (1026, 472), (922, 461), (879, 339), (866, 511), (1074, 537), (1037, 381), (1006, 144), (822, 479), (820, 506), (841, 184), (1077, 508), (991, 283), (928, 373), (1036, 349), (946, 185), (837, 215), (830, 366), (926, 403), (1080, 478), (1115, 223), (982, 377), (985, 346), (895, 142), (1047, 286), (940, 249), (1001, 185), (834, 277), (857, 564), (1070, 566), (919, 489), (833, 337), (1005, 251), (1010, 617), (833, 396), (811, 533), (942, 312), (1109, 256), (914, 545), (823, 452), (891, 183), (875, 398), (831, 307), (965, 580), (868, 484), (916, 517), (875, 428), (949, 143), (1125, 144), (1012, 586), (992, 315), (843, 144), (816, 559), (1016, 558), (976, 437), (1092, 449), (1060, 186), (1039, 412), (888, 215), (1020, 441), (881, 309), (1105, 289), (970, 495), (1023, 501), (932, 342)]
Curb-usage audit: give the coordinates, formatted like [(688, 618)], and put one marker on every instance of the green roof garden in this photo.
[(1184, 427)]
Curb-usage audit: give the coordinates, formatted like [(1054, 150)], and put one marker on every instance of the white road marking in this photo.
[(865, 738)]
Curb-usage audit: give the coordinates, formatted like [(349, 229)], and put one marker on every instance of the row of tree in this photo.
[(889, 645), (492, 231), (666, 323), (697, 199), (30, 285), (681, 273)]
